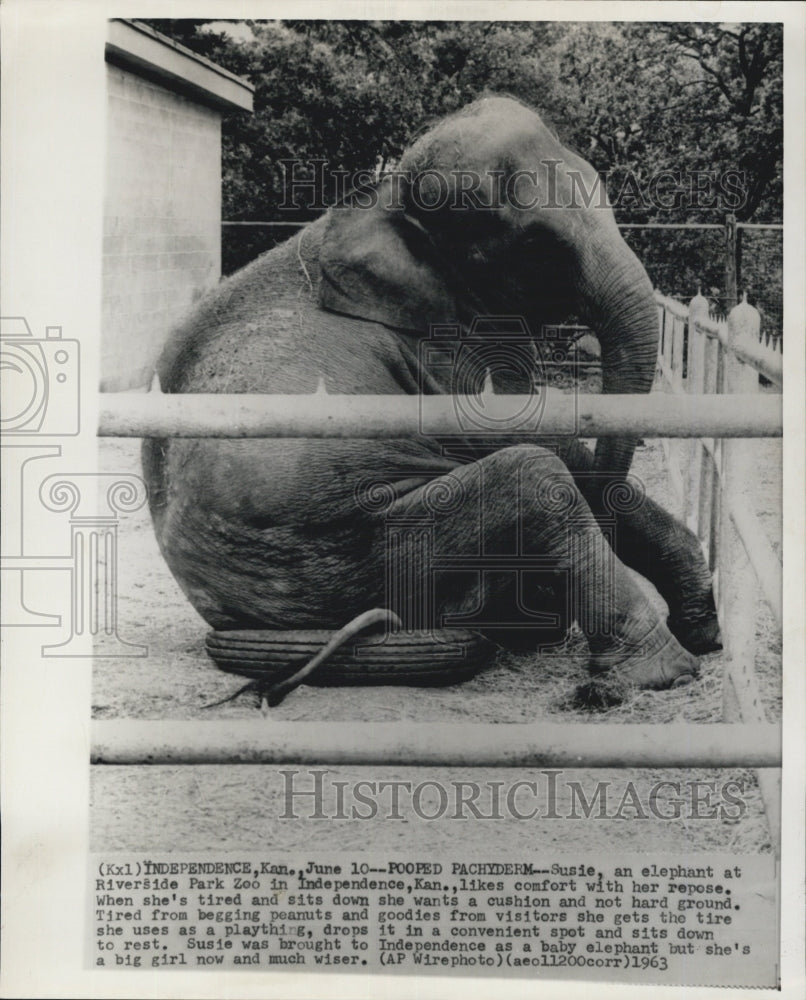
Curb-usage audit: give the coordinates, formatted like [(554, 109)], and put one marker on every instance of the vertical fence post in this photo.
[(738, 596), (738, 599), (695, 383), (731, 276), (678, 451), (670, 367), (709, 482), (698, 309)]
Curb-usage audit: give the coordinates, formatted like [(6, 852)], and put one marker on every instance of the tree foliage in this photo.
[(631, 97), (634, 98)]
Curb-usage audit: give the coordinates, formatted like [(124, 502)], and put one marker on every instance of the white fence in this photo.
[(711, 480)]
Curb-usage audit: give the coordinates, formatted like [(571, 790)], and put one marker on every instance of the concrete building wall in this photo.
[(162, 199), (162, 220)]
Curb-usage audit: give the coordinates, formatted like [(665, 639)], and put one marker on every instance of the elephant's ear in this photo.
[(379, 264)]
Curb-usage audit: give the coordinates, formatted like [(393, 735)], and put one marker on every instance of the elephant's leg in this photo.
[(523, 499), (655, 544)]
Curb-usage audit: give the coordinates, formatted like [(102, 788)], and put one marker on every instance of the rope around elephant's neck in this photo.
[(274, 695)]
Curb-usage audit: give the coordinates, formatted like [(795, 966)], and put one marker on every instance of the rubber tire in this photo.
[(446, 656)]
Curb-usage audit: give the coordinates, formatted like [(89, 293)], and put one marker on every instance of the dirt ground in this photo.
[(237, 807)]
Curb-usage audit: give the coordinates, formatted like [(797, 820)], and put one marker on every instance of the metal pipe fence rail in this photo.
[(428, 745), (549, 412)]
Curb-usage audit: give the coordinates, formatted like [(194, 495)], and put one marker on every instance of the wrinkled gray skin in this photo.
[(270, 533)]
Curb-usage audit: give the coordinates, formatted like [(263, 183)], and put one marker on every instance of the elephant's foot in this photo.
[(662, 663), (698, 636), (656, 662)]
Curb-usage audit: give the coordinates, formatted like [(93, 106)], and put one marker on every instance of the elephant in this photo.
[(286, 534)]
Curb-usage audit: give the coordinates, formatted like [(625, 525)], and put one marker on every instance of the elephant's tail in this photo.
[(275, 694), (377, 616)]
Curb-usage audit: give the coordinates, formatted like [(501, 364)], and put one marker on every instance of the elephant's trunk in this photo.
[(617, 301)]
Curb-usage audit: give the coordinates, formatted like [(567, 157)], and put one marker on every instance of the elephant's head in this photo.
[(489, 214)]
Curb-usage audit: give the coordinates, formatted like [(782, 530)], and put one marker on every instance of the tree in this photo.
[(642, 101), (634, 98), (740, 71)]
